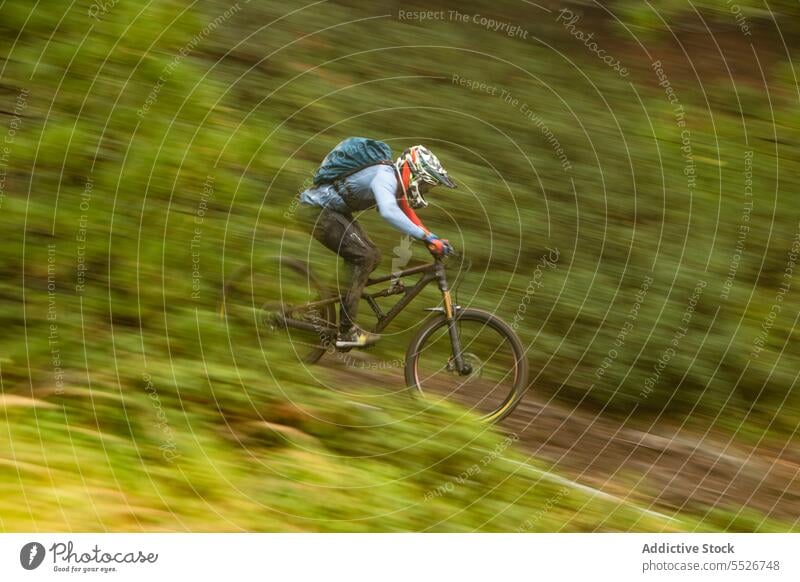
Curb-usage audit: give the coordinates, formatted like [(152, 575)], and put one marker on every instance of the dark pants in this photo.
[(344, 236)]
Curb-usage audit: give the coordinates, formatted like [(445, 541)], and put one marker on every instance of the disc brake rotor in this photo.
[(475, 367)]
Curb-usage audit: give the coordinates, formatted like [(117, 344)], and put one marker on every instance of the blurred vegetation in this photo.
[(122, 113)]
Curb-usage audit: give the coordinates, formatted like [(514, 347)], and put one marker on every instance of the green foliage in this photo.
[(129, 115)]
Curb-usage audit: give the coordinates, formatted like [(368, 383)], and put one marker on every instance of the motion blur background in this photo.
[(650, 150)]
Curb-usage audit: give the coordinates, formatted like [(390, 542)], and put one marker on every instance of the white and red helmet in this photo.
[(421, 170)]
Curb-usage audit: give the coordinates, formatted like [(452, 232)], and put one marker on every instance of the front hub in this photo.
[(471, 365)]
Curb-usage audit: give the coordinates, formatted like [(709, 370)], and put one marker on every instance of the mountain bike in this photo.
[(465, 355)]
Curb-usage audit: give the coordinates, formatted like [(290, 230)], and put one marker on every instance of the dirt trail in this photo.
[(666, 469)]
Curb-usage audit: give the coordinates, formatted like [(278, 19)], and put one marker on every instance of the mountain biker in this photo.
[(396, 189)]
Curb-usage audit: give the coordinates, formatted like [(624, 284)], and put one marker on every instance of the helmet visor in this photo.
[(441, 178)]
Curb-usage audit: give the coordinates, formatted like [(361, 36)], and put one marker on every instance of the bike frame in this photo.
[(430, 272)]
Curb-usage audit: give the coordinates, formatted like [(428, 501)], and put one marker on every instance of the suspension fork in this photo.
[(450, 316)]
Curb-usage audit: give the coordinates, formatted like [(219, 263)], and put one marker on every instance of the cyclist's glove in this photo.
[(438, 247)]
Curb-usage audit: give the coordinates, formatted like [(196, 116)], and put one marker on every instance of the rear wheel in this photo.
[(496, 373), (257, 296)]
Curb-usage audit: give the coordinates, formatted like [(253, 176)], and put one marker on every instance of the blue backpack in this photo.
[(350, 156)]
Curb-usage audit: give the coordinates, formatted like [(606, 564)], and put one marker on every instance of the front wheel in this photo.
[(495, 374)]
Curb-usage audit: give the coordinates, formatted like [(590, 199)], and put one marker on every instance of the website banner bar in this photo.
[(402, 557)]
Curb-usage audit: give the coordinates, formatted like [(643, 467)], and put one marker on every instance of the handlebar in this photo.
[(454, 254)]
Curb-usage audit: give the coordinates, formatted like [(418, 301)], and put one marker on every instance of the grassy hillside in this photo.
[(151, 150), (248, 459)]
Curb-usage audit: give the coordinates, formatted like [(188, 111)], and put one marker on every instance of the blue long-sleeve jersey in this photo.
[(375, 185)]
